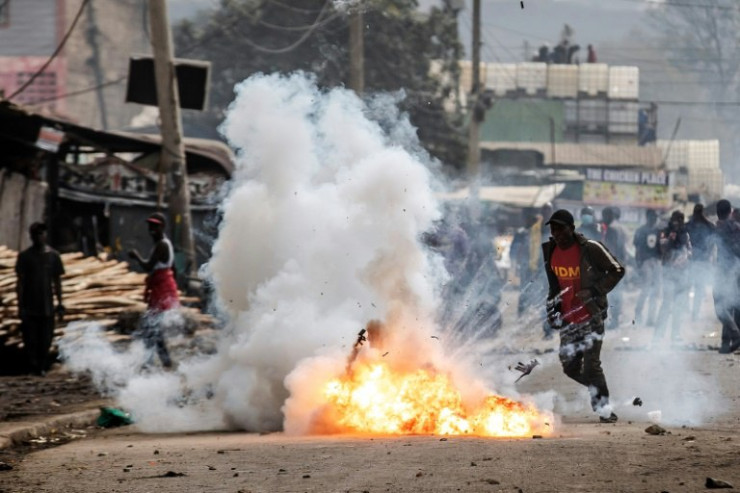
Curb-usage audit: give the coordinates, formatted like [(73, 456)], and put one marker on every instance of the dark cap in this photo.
[(157, 218), (561, 216), (37, 228)]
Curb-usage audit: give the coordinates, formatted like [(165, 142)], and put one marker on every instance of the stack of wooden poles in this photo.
[(94, 289)]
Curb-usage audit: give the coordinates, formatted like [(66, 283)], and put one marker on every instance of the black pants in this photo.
[(580, 352), (727, 313), (37, 334), (151, 333)]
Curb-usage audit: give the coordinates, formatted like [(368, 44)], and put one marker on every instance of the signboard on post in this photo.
[(193, 81), (635, 188)]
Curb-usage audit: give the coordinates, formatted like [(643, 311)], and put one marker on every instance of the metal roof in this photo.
[(21, 125), (585, 155), (518, 196)]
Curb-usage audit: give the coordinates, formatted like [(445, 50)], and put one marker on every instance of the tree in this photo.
[(244, 37), (703, 38)]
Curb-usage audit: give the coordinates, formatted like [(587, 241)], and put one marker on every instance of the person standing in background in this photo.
[(726, 276), (701, 231), (675, 249), (39, 269), (537, 232), (647, 258), (589, 227), (615, 239), (161, 289)]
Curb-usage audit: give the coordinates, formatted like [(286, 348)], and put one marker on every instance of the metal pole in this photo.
[(356, 51), (173, 151), (473, 167)]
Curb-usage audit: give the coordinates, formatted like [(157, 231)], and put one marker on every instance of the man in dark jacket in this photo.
[(647, 258), (727, 240), (701, 232), (580, 273), (39, 270)]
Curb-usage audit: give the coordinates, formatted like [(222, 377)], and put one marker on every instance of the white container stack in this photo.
[(708, 182), (690, 154), (531, 77), (592, 112), (593, 79), (623, 117), (562, 81), (466, 75), (570, 110), (624, 82), (703, 154), (501, 78)]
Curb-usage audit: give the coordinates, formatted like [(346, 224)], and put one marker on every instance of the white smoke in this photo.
[(320, 234)]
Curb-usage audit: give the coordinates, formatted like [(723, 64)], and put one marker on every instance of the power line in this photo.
[(318, 22), (275, 51), (667, 4), (81, 91), (53, 55)]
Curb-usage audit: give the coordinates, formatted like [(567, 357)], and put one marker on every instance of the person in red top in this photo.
[(580, 272), (160, 292)]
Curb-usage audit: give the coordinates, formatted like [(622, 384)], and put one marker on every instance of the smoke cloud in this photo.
[(320, 234)]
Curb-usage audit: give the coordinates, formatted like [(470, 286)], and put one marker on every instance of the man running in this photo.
[(580, 273)]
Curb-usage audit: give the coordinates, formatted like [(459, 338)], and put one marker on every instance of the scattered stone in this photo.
[(637, 402), (282, 470), (689, 438), (236, 474), (715, 484), (419, 474), (172, 474), (211, 468), (220, 451), (442, 439), (156, 452), (491, 481), (4, 466), (535, 437), (126, 469), (306, 476), (655, 430), (473, 464), (102, 454)]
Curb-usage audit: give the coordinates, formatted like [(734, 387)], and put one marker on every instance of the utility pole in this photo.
[(172, 154), (473, 167), (356, 51)]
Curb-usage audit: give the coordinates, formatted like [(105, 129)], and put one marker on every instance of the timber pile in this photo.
[(103, 291)]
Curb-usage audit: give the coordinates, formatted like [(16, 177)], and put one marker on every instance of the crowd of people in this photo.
[(672, 259)]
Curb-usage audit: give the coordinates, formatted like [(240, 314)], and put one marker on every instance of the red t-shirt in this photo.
[(566, 264)]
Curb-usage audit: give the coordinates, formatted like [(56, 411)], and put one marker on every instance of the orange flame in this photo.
[(375, 399)]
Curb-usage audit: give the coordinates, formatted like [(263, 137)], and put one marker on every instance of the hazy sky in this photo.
[(618, 29)]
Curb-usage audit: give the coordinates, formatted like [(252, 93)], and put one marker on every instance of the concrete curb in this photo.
[(14, 433)]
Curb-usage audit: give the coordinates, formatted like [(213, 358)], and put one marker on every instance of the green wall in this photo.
[(523, 121)]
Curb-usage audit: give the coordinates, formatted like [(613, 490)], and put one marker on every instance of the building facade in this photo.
[(86, 80)]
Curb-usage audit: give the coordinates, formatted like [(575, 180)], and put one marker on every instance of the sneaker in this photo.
[(734, 346), (611, 419)]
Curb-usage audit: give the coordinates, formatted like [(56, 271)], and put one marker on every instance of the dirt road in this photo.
[(581, 457)]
